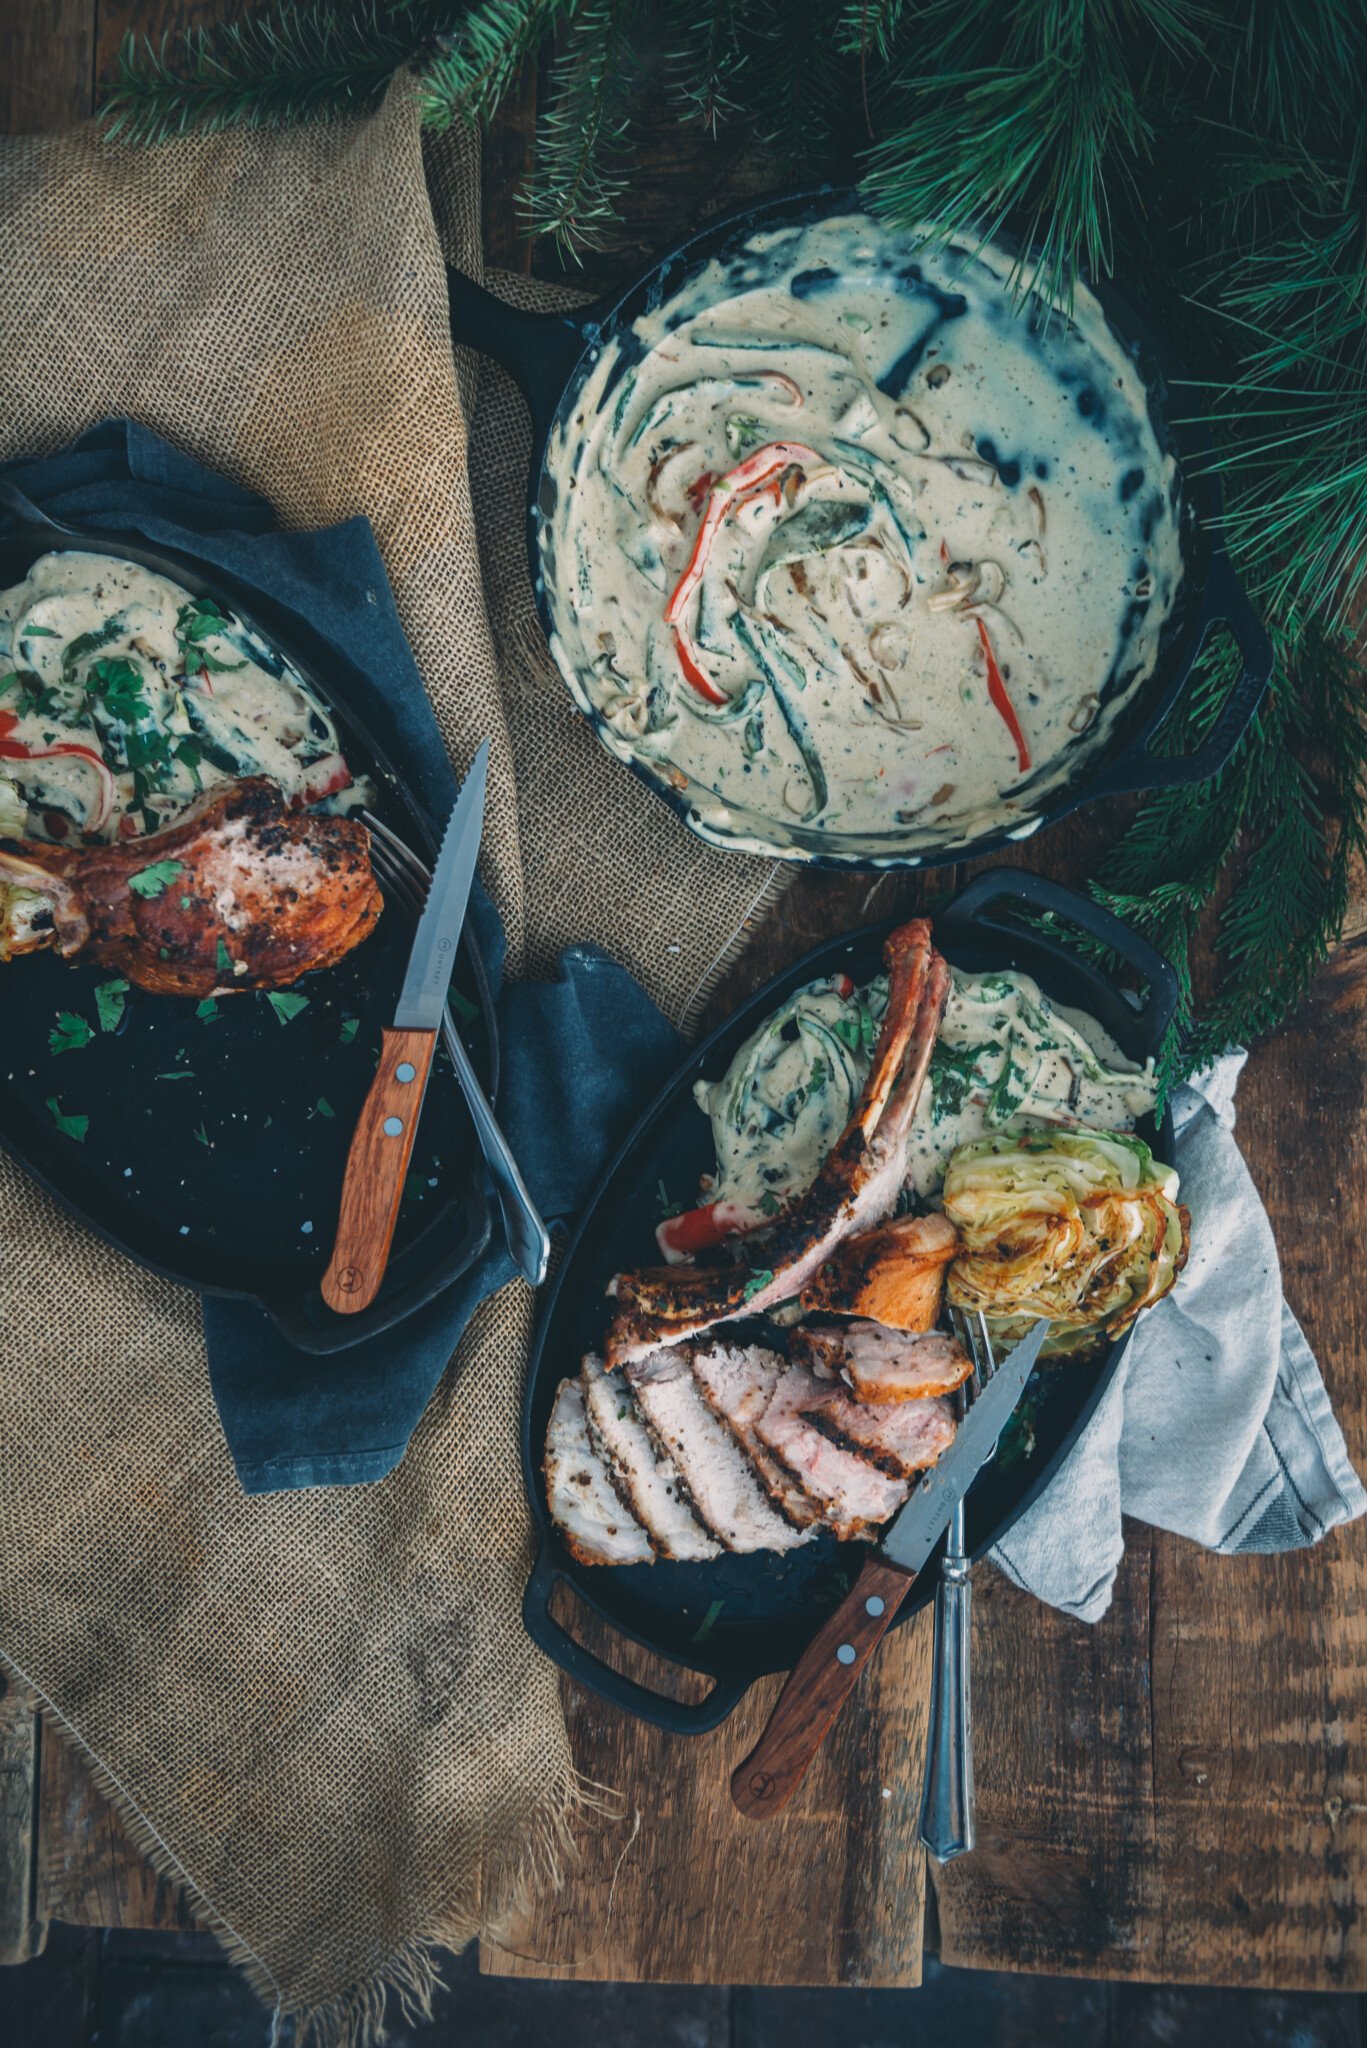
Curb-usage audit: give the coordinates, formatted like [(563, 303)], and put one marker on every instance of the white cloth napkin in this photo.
[(1217, 1424)]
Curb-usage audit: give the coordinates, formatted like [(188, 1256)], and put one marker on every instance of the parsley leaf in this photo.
[(118, 684), (86, 643), (324, 1108), (69, 1126), (109, 1004), (223, 959), (770, 1203), (40, 633), (70, 1034), (463, 1007), (760, 1278), (708, 1622), (154, 881), (207, 1011), (286, 1005), (350, 1026), (667, 1208), (196, 623), (202, 1135), (179, 1074)]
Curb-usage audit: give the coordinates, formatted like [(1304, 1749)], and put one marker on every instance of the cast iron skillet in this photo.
[(551, 354), (764, 1609), (229, 1177)]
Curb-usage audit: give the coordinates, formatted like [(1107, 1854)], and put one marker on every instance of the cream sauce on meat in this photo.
[(848, 552), (122, 697), (1006, 1058)]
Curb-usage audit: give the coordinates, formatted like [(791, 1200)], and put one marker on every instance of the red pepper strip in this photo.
[(756, 470), (15, 750), (996, 690), (747, 480), (697, 1230), (845, 987), (701, 682), (699, 488)]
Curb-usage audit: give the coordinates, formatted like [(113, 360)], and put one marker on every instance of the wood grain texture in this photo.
[(831, 1892), (47, 64), (22, 1929), (89, 1872), (816, 1689), (376, 1168)]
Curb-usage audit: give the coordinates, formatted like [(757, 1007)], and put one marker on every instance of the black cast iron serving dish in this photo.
[(215, 1150), (551, 356), (739, 1617)]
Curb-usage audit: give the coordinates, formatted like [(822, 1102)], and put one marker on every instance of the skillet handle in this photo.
[(1139, 768), (538, 350), (676, 1717), (1039, 892)]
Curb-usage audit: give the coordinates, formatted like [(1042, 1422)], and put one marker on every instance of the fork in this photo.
[(947, 1816), (407, 879)]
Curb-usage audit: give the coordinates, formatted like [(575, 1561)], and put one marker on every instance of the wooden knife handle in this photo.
[(376, 1168), (817, 1688)]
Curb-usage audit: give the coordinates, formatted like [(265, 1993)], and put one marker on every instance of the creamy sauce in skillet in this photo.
[(121, 697), (842, 548), (1006, 1059)]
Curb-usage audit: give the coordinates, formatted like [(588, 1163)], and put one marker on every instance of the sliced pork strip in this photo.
[(857, 1186), (737, 1382), (721, 1482), (593, 1524), (894, 1274), (883, 1365), (651, 1487), (857, 1497), (900, 1437)]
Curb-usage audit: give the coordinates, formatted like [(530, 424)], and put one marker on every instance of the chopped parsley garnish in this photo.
[(223, 959), (70, 1034), (770, 1203), (202, 1135), (667, 1208), (207, 1011), (196, 623), (69, 1126), (323, 1108), (760, 1278), (152, 882), (463, 1007), (33, 695), (88, 643), (40, 633), (818, 1076), (286, 1005), (109, 1004), (117, 683), (178, 1074), (350, 1026)]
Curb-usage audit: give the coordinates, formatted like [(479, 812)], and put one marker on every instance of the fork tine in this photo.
[(399, 850)]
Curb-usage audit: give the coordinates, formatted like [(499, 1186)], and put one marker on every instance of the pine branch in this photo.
[(285, 65), (582, 162), (706, 60), (481, 60)]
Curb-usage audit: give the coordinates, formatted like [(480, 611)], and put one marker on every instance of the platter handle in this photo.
[(676, 1717), (538, 350), (1226, 603), (1038, 892)]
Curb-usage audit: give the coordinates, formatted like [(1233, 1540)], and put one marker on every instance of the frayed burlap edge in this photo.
[(412, 1978)]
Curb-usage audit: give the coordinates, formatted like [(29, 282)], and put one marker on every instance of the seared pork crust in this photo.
[(241, 878)]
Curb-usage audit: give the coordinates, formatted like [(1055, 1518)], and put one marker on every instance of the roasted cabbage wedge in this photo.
[(1083, 1227)]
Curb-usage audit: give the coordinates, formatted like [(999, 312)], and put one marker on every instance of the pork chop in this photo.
[(242, 892), (882, 1365), (900, 1437), (856, 1496), (857, 1186), (651, 1487), (893, 1274), (721, 1482), (591, 1520), (737, 1382)]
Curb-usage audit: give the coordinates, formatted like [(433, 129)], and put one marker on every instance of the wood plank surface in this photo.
[(1175, 1794)]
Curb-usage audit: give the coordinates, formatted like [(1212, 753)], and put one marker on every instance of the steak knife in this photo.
[(825, 1674), (382, 1145)]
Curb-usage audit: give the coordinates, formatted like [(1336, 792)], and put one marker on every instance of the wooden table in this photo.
[(1175, 1794)]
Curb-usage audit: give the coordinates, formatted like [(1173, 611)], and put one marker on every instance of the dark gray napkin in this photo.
[(581, 1055)]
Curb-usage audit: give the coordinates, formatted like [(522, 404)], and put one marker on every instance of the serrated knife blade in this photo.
[(423, 996), (917, 1528)]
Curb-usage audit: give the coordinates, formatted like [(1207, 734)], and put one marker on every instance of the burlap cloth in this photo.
[(318, 1710)]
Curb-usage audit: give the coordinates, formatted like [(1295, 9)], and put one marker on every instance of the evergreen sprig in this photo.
[(1211, 152)]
